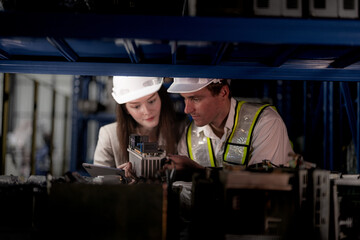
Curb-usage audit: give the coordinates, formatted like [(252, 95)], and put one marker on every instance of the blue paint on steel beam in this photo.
[(132, 50), (281, 56), (347, 59), (64, 48), (318, 109), (4, 55), (173, 46), (341, 121), (285, 72), (222, 47)]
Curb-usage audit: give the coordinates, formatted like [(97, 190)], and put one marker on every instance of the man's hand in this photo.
[(185, 167)]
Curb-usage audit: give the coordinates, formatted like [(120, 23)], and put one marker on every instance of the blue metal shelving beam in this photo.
[(347, 59), (330, 119), (64, 48), (282, 55), (288, 71), (305, 115), (325, 125), (222, 47), (173, 47), (350, 110), (314, 107), (255, 30), (132, 50), (4, 55)]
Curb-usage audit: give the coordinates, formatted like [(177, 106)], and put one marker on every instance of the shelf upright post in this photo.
[(341, 121), (328, 119), (5, 122), (325, 122), (173, 46), (305, 109), (51, 147), (34, 129), (357, 146), (352, 118), (65, 134), (287, 102), (79, 123), (280, 96), (331, 124), (75, 123)]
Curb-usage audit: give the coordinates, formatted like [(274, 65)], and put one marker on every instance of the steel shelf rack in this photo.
[(321, 54)]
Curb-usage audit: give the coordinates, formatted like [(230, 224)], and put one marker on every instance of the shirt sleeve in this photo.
[(270, 140), (104, 154)]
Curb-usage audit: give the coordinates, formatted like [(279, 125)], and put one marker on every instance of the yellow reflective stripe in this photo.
[(188, 138), (251, 129), (211, 157), (234, 128)]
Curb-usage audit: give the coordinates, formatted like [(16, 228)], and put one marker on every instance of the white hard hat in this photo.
[(188, 85), (126, 89)]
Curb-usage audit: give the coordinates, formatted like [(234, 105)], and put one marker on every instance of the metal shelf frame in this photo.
[(288, 50), (284, 32)]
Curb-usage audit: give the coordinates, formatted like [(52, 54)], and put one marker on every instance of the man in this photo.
[(225, 131)]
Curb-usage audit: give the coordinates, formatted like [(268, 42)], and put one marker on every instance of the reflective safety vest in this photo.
[(237, 146)]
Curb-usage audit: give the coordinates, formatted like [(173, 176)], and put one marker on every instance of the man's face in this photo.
[(203, 107)]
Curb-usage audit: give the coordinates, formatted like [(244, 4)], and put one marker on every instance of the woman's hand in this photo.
[(129, 173)]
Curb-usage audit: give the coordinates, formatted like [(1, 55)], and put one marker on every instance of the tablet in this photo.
[(98, 170)]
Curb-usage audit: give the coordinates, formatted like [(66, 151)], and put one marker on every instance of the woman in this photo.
[(143, 108)]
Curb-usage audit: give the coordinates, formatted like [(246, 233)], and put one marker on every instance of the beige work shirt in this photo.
[(270, 139)]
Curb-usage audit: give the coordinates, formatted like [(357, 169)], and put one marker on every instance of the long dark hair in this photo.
[(168, 126)]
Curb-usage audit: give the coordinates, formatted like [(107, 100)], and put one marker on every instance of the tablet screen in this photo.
[(97, 170)]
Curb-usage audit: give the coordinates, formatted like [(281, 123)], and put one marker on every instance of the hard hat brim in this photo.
[(186, 88)]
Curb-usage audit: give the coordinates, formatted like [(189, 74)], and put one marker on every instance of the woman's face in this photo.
[(145, 110)]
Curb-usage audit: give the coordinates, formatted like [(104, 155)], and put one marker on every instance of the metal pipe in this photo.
[(5, 118)]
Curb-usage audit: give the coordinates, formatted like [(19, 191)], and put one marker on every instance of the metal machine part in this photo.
[(346, 196), (145, 157)]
